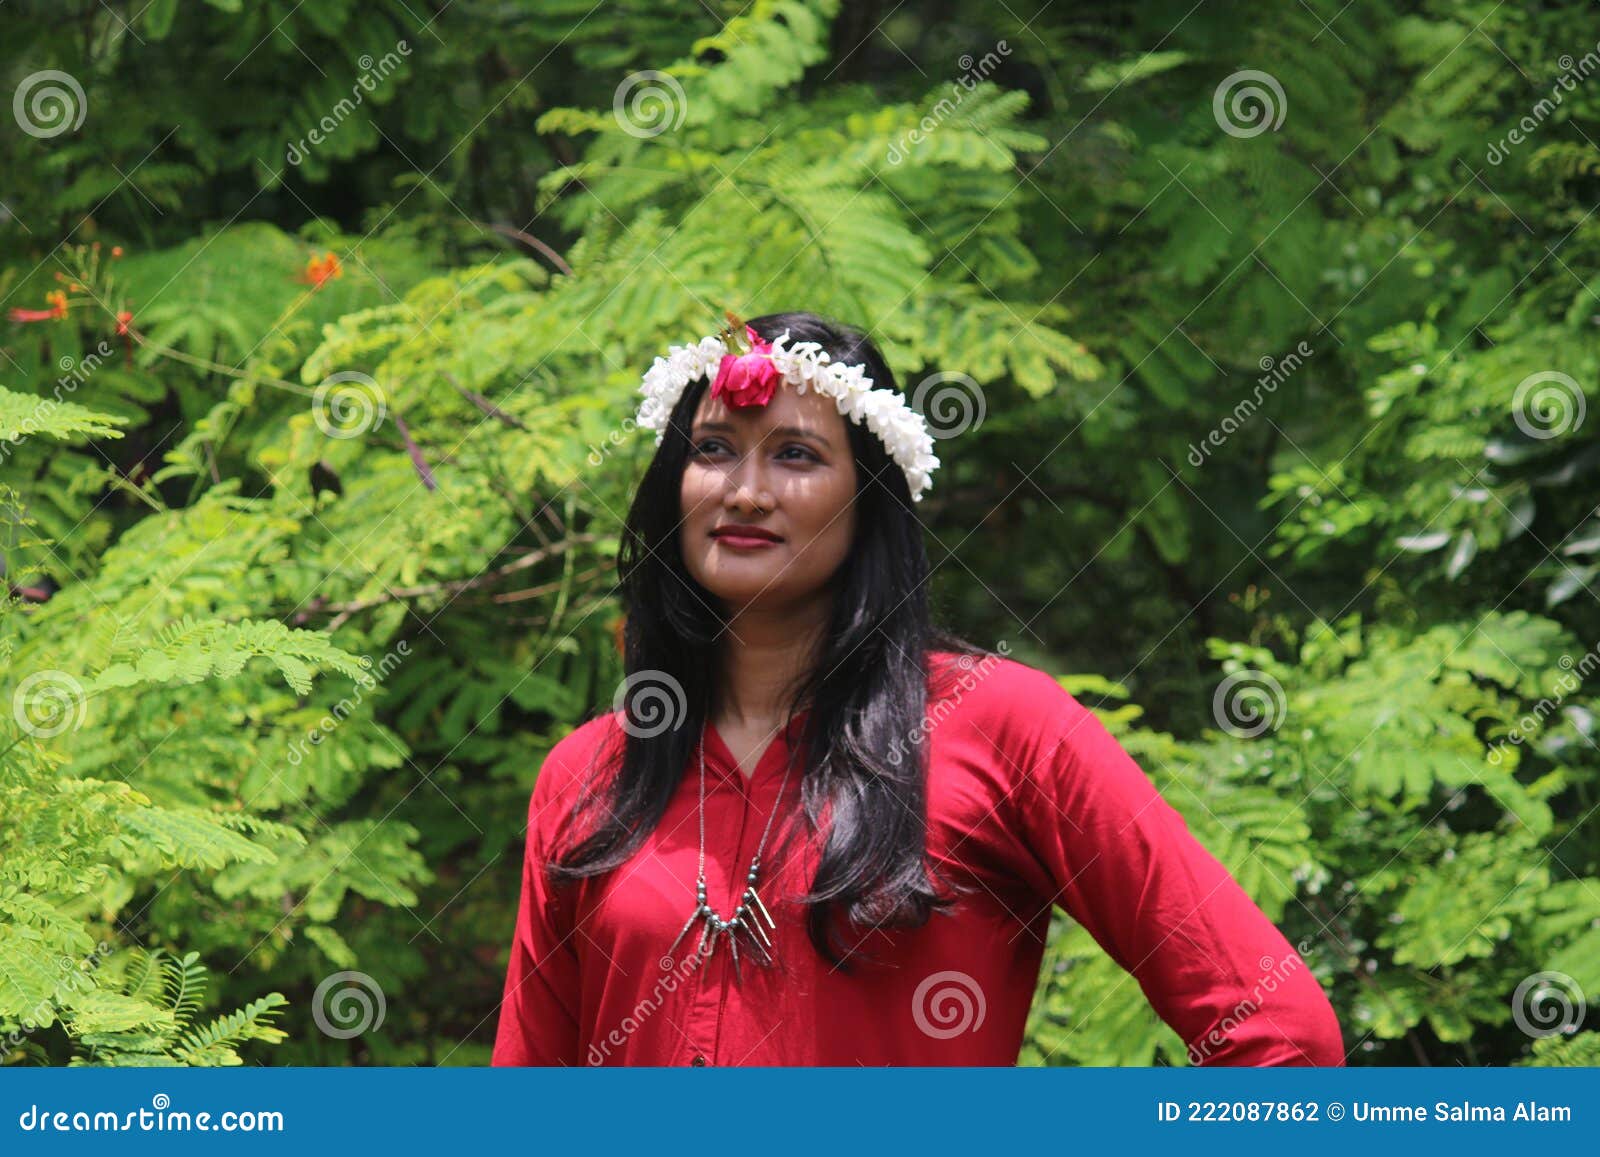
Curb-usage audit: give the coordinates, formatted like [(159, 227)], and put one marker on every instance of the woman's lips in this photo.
[(743, 541)]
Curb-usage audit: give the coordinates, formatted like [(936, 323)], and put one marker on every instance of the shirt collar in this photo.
[(721, 767)]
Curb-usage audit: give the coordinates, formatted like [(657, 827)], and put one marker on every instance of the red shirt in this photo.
[(1031, 803)]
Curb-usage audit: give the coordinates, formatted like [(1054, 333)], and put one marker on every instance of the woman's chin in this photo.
[(745, 593), (742, 584)]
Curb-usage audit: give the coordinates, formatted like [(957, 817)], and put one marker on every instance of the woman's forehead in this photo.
[(811, 411)]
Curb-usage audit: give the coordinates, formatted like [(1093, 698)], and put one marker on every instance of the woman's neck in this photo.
[(765, 656)]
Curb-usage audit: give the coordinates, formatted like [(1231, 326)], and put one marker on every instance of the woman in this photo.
[(818, 831)]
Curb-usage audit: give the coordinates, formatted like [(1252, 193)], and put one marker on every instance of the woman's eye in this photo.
[(792, 452)]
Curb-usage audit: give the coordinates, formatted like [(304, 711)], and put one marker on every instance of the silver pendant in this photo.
[(746, 919), (688, 924)]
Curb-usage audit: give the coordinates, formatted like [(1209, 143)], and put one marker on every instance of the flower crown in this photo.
[(748, 371)]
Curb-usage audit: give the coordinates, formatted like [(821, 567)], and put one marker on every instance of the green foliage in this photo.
[(22, 416), (146, 1016)]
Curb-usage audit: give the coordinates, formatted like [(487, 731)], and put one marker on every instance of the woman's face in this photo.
[(785, 468)]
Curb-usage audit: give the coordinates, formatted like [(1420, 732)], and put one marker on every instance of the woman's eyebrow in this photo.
[(791, 431)]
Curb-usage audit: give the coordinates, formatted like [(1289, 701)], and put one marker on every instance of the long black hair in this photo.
[(867, 691)]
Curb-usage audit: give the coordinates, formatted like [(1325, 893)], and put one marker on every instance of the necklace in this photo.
[(750, 912)]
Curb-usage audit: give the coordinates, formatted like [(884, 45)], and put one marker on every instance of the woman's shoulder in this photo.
[(993, 675), (993, 691), (587, 737), (586, 748)]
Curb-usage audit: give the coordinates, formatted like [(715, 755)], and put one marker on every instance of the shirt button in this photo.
[(698, 1062)]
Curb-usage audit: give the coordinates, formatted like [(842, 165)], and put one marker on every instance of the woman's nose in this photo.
[(743, 497), (746, 483)]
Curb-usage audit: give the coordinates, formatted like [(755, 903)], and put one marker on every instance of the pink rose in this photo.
[(750, 379)]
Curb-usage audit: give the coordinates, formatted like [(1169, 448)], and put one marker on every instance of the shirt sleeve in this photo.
[(539, 1010), (1123, 863)]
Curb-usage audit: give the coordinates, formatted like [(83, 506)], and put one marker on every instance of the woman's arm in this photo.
[(1124, 865), (538, 1014)]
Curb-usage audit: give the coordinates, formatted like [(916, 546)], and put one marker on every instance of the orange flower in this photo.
[(58, 309), (319, 269), (123, 318), (116, 251)]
